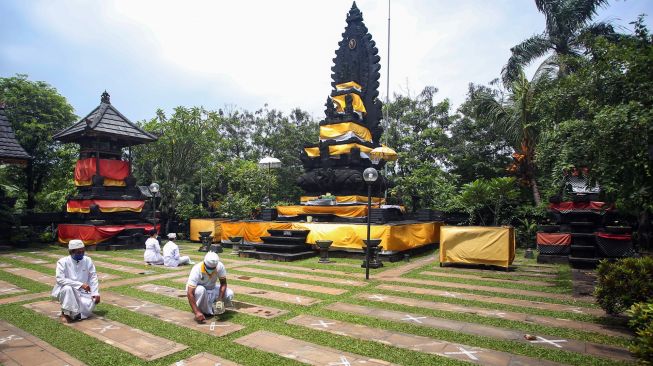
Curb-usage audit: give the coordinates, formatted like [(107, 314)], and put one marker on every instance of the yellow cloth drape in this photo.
[(341, 200), (477, 245), (333, 131), (341, 211), (356, 101), (337, 149), (212, 225), (251, 231), (107, 183), (349, 85)]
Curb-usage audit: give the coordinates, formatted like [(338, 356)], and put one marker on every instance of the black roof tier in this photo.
[(10, 150), (106, 121)]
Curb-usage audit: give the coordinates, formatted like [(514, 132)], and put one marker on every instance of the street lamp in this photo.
[(270, 163), (154, 189), (370, 175)]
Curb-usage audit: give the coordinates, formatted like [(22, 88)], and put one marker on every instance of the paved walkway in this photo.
[(274, 295), (204, 359), (302, 276), (141, 344), (515, 280), (417, 343), (7, 288), (593, 349), (303, 351)]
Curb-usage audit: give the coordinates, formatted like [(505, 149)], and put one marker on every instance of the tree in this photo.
[(36, 111), (567, 32)]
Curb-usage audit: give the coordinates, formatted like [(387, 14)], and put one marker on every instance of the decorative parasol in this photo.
[(382, 153)]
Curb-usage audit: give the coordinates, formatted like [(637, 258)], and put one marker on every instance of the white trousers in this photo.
[(76, 302), (204, 298), (172, 263)]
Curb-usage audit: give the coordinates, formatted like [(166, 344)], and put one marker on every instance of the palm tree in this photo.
[(567, 31), (513, 116)]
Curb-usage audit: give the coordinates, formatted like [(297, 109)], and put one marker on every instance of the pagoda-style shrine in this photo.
[(334, 166), (108, 207)]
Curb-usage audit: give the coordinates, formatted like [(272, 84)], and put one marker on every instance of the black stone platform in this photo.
[(281, 245), (277, 256), (547, 258)]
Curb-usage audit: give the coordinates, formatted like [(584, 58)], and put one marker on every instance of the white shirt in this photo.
[(199, 277), (171, 254), (73, 273), (152, 251)]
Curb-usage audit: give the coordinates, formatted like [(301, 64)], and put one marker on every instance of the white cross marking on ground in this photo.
[(322, 323), (8, 289), (343, 362), (464, 352), (8, 338), (377, 297), (413, 318), (496, 313), (180, 363), (553, 342), (282, 273), (286, 284), (349, 282), (143, 305), (105, 328), (213, 325), (576, 310), (298, 299), (156, 288), (447, 293)]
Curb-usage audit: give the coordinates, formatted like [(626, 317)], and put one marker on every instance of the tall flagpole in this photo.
[(387, 103)]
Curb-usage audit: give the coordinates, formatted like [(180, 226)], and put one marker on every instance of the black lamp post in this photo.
[(370, 175), (154, 189)]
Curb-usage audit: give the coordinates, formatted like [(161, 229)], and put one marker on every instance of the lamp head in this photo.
[(154, 187), (370, 175)]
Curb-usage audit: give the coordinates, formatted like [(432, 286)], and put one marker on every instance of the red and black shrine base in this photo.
[(126, 235)]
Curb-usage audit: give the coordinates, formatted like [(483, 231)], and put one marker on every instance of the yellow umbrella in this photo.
[(382, 153)]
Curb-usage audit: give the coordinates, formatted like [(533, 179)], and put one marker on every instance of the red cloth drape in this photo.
[(104, 205), (91, 234), (553, 238), (580, 206), (113, 169), (614, 236)]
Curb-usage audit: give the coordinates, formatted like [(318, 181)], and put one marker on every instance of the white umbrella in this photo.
[(269, 162)]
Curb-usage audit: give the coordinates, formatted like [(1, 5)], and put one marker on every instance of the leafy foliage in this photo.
[(624, 283), (641, 322), (487, 199)]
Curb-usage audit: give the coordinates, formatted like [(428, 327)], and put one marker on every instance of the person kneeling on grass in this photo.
[(203, 296), (152, 254), (76, 287), (171, 256)]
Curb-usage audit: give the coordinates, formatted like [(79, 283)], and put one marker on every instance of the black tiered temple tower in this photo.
[(108, 207), (352, 126)]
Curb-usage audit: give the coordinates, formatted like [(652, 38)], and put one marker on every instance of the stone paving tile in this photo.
[(19, 348), (611, 352), (290, 267), (490, 271), (239, 306), (129, 281), (19, 298), (31, 274), (5, 265), (141, 344), (101, 276), (22, 258), (510, 291), (301, 276), (147, 266), (7, 288), (274, 295), (417, 343), (214, 327), (121, 268), (277, 283), (400, 270), (500, 314), (303, 351), (490, 279), (204, 359), (495, 300)]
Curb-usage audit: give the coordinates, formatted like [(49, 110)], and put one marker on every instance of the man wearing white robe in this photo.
[(171, 256), (203, 296), (76, 287)]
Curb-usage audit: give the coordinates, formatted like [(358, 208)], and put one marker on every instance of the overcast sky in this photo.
[(244, 54)]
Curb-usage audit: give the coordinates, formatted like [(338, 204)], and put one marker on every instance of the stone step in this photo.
[(301, 276), (204, 359), (305, 352), (19, 348), (214, 327), (500, 314), (31, 274), (7, 288), (141, 344), (274, 295), (239, 306), (495, 300), (417, 343), (489, 279), (582, 347)]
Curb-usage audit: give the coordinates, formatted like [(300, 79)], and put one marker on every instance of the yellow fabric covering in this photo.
[(477, 245), (349, 85), (107, 183), (356, 101), (333, 131), (337, 149), (340, 200), (340, 211), (213, 225), (344, 236)]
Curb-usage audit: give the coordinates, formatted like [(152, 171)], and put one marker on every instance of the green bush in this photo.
[(641, 323), (624, 283)]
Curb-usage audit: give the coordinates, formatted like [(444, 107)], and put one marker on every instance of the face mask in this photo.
[(78, 257), (208, 270)]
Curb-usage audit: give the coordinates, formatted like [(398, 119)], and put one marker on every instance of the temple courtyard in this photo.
[(408, 313)]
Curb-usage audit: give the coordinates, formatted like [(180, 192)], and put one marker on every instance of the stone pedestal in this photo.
[(373, 247), (235, 244), (206, 239), (324, 250)]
